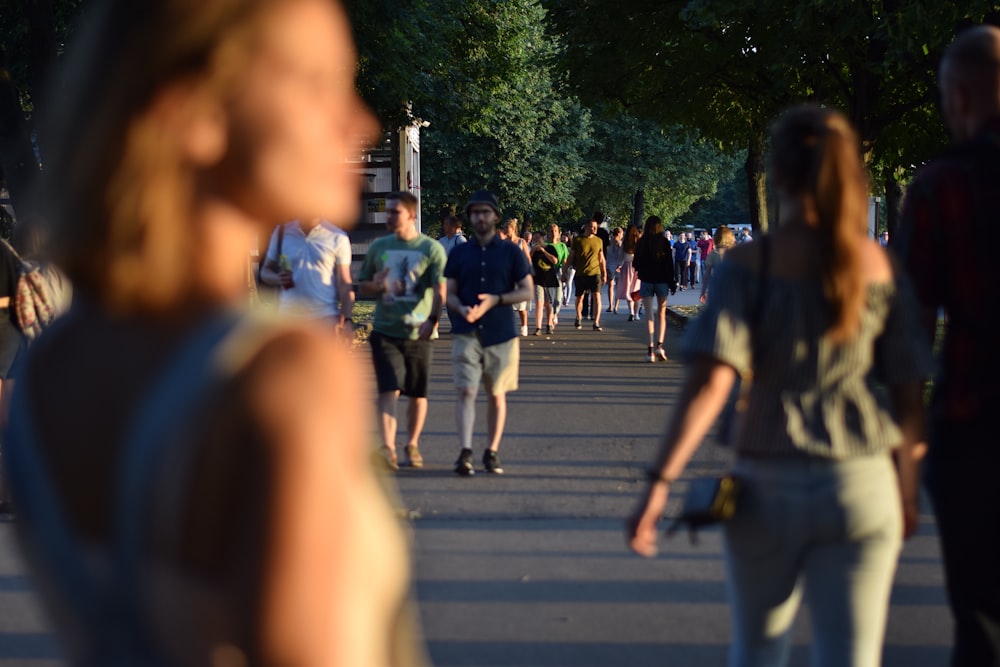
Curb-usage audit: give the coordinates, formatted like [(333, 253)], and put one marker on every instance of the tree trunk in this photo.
[(638, 207), (756, 172), (893, 198)]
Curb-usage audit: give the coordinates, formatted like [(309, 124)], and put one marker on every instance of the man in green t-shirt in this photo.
[(587, 256), (405, 272)]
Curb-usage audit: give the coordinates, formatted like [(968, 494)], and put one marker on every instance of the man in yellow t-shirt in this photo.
[(586, 256)]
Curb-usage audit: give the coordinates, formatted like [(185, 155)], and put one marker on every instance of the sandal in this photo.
[(413, 457)]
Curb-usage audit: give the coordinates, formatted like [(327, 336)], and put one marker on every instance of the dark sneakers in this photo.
[(491, 462), (463, 466)]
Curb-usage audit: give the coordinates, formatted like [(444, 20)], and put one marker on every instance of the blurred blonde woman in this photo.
[(724, 240), (628, 278), (510, 233), (193, 485), (812, 308)]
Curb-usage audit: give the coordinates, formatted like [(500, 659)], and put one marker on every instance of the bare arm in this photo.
[(908, 403), (330, 525), (345, 292), (705, 392), (427, 327)]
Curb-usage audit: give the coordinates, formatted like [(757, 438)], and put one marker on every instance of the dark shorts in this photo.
[(586, 284), (401, 364)]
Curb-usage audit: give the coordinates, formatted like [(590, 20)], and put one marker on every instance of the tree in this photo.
[(482, 73), (31, 36), (670, 167), (728, 67)]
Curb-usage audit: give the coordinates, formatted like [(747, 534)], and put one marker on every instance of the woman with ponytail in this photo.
[(829, 477)]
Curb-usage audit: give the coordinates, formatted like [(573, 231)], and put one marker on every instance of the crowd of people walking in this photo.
[(214, 502)]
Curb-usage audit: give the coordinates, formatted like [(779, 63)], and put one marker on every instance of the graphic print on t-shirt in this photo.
[(403, 281)]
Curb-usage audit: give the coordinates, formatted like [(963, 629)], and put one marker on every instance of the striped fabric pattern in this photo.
[(809, 396)]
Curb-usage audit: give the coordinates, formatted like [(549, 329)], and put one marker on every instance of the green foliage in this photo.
[(672, 166)]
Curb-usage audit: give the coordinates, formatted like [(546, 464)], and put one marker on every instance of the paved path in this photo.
[(529, 568)]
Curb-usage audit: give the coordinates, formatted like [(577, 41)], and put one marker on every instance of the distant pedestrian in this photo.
[(723, 241), (547, 265), (312, 270), (682, 260), (586, 256), (485, 276), (404, 271), (628, 281), (510, 231), (655, 266), (452, 236), (614, 256)]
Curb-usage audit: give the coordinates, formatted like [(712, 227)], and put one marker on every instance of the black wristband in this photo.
[(654, 476), (499, 299), (433, 319)]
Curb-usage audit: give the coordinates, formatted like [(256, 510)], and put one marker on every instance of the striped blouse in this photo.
[(809, 395)]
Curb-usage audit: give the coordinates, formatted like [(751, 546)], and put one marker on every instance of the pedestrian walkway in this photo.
[(530, 568)]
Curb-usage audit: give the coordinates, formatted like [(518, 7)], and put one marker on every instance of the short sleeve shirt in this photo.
[(587, 257), (313, 258), (416, 268), (494, 268), (809, 395)]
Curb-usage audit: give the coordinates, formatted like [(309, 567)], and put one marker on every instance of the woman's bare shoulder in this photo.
[(877, 266)]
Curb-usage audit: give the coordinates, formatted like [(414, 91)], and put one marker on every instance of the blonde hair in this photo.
[(115, 185), (816, 155), (724, 239)]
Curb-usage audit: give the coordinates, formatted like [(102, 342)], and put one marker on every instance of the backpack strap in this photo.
[(111, 609)]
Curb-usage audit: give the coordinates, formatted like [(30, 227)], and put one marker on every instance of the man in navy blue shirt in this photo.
[(485, 277)]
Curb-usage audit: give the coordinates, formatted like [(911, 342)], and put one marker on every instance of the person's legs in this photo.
[(850, 565), (661, 318), (764, 545), (467, 364), (387, 401), (416, 416), (960, 472), (465, 415), (496, 416), (648, 304), (612, 304), (579, 309), (541, 303), (595, 307)]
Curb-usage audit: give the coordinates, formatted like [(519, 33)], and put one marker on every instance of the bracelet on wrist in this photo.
[(499, 299), (654, 476)]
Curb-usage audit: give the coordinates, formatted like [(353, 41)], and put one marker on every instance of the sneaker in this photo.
[(463, 466), (548, 331), (524, 331), (491, 462), (651, 356), (597, 327), (555, 319), (538, 332), (660, 352), (577, 324), (631, 317), (413, 457)]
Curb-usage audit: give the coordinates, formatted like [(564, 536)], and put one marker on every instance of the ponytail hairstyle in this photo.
[(816, 157), (631, 240)]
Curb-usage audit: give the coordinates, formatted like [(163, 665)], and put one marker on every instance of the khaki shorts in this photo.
[(518, 307), (496, 365)]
